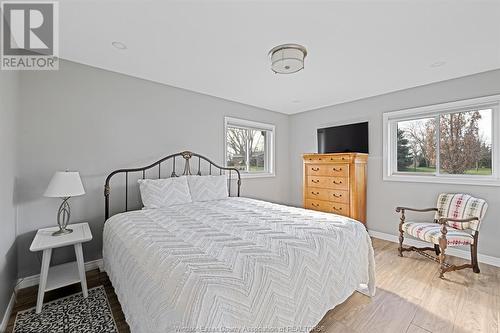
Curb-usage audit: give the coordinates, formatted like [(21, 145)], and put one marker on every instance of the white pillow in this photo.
[(206, 188), (157, 193)]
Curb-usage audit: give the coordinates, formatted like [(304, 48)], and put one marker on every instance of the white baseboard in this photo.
[(482, 258), (8, 311), (33, 280)]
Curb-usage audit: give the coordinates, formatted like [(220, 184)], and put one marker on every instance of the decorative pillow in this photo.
[(206, 188), (158, 193)]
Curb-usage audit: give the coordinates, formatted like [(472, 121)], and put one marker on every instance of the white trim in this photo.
[(247, 175), (482, 258), (8, 311), (443, 107), (443, 180), (248, 123), (33, 280), (389, 147), (270, 144)]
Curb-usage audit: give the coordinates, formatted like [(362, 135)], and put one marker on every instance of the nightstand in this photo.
[(61, 275)]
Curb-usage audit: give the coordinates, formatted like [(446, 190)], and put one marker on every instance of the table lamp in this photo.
[(64, 185)]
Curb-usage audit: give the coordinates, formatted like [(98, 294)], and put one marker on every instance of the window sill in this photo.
[(257, 175), (443, 180)]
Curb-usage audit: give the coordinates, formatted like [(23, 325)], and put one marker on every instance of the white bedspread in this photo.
[(233, 263)]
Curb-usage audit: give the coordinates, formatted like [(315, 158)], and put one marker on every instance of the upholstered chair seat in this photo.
[(430, 232)]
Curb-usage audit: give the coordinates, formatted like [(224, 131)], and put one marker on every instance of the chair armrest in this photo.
[(399, 209), (443, 220)]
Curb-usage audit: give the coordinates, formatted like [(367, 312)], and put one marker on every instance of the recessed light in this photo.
[(119, 45), (438, 64)]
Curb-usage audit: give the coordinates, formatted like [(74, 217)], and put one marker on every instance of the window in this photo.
[(455, 142), (249, 147)]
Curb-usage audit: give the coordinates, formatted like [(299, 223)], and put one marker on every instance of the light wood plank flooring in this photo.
[(410, 298)]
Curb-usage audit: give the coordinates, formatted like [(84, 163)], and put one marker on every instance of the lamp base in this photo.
[(61, 232)]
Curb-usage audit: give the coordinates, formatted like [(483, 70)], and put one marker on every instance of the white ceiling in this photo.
[(355, 48)]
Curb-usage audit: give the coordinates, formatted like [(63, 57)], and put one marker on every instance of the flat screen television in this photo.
[(352, 138)]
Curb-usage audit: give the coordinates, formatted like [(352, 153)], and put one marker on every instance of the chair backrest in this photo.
[(461, 206)]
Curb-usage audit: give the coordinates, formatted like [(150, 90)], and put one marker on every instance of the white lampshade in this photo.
[(287, 58), (65, 184)]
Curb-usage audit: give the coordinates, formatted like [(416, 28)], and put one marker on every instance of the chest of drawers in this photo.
[(336, 183)]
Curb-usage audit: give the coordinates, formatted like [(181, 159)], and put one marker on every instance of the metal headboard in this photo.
[(187, 156)]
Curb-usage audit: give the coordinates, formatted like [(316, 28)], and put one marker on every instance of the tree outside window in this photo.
[(249, 147), (450, 143), (246, 149)]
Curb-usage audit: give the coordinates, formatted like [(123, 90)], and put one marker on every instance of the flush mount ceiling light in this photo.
[(119, 45), (287, 58)]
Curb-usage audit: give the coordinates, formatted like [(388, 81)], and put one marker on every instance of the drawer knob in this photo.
[(315, 193), (335, 169), (337, 195), (337, 183), (315, 181), (315, 169), (335, 208), (314, 205)]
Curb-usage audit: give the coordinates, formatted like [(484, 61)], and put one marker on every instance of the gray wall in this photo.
[(9, 89), (94, 121), (383, 196)]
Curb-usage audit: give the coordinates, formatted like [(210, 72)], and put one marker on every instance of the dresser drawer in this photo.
[(328, 158), (331, 170), (320, 205), (328, 195), (329, 207), (316, 158), (335, 183), (339, 208)]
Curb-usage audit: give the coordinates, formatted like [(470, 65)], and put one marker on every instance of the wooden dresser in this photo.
[(336, 183)]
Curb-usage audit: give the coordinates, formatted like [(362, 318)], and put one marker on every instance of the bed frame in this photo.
[(187, 156)]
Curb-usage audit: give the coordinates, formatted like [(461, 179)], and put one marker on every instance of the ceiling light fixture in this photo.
[(119, 45), (287, 58)]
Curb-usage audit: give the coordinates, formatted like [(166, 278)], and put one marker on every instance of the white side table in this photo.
[(65, 274)]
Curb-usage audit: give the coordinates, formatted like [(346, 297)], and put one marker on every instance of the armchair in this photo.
[(457, 218)]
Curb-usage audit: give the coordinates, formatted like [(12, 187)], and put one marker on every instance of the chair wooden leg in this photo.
[(442, 259), (436, 249), (401, 233), (400, 249), (475, 263), (443, 243)]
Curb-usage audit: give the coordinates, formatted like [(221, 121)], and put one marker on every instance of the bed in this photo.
[(232, 265)]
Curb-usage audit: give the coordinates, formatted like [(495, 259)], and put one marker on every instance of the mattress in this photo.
[(236, 264)]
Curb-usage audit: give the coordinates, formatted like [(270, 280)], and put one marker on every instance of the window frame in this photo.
[(269, 148), (391, 119)]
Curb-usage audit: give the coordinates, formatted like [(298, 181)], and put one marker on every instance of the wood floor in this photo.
[(410, 298)]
